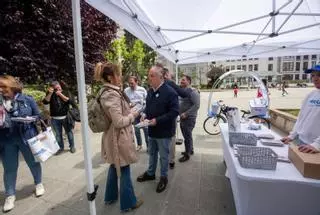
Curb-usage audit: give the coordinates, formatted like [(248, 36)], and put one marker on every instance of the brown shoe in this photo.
[(138, 204)]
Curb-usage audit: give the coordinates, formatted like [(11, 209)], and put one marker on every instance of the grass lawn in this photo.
[(294, 112)]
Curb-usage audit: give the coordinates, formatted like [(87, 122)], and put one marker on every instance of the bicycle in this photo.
[(211, 123)]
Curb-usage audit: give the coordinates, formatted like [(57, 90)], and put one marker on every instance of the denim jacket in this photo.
[(24, 106)]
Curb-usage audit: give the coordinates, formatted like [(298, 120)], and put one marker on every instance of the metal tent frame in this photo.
[(129, 17)]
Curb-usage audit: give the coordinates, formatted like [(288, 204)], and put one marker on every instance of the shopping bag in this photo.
[(44, 145)]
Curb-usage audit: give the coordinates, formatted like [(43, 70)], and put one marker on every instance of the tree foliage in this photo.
[(134, 56), (214, 73), (36, 39)]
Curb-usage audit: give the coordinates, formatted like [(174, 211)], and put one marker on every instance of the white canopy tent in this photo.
[(206, 30), (186, 31)]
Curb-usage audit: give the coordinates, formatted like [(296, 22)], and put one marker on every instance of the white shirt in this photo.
[(308, 123), (136, 96)]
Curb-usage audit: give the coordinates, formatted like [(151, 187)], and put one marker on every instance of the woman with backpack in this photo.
[(118, 147), (14, 138)]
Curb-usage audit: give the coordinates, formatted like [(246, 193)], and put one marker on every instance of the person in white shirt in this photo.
[(137, 96), (306, 131)]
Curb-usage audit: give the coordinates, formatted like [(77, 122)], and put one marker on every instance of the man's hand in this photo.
[(306, 148), (153, 122), (183, 116), (50, 90), (59, 93), (286, 140)]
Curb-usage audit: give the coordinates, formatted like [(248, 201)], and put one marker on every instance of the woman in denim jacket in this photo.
[(14, 138)]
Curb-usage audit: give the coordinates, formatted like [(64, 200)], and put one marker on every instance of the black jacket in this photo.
[(58, 107), (163, 105)]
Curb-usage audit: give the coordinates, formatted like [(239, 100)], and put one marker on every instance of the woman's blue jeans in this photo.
[(127, 196), (10, 161)]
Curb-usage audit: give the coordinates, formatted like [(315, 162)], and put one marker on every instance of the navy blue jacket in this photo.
[(25, 106), (163, 105)]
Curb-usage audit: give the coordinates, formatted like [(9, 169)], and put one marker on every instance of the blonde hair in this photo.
[(104, 70), (10, 82)]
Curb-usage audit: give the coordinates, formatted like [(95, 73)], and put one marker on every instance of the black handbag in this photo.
[(74, 112)]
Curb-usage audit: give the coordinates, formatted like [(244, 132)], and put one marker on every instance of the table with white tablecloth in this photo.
[(283, 191)]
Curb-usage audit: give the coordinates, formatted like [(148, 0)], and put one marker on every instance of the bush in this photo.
[(36, 94)]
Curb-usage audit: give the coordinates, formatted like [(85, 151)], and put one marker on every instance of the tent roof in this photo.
[(186, 31)]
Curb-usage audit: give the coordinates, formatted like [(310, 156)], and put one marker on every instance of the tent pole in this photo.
[(76, 16), (177, 76), (274, 17), (288, 17)]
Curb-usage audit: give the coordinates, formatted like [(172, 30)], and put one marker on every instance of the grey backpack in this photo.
[(96, 116)]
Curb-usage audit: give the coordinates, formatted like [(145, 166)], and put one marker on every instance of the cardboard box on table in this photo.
[(307, 164)]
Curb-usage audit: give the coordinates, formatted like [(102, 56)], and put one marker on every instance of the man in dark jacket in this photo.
[(162, 108), (59, 107)]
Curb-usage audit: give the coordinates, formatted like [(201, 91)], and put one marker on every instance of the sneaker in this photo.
[(191, 153), (162, 184), (39, 190), (72, 150), (171, 165), (139, 148), (9, 203), (184, 158), (146, 177)]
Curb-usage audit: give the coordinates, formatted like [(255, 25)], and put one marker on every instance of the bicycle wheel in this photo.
[(211, 124)]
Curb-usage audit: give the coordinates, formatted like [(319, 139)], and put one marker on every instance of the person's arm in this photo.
[(182, 92), (316, 143), (293, 134), (62, 96), (195, 99), (47, 99), (112, 104), (172, 113)]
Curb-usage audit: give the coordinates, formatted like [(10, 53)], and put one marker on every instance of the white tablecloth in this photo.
[(266, 192)]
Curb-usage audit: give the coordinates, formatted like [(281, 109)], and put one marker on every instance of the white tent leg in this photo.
[(177, 75), (82, 98)]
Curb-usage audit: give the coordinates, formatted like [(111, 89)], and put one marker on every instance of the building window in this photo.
[(256, 58), (250, 67), (305, 65), (314, 57), (296, 77), (304, 76), (244, 67), (270, 58), (305, 57), (287, 66), (313, 63), (297, 66), (298, 58), (238, 67), (233, 67), (256, 67), (232, 60), (288, 58), (228, 60), (238, 59), (287, 77), (269, 78), (227, 68), (270, 67), (250, 58), (244, 59)]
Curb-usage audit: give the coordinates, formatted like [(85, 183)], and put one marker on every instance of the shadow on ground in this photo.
[(197, 187)]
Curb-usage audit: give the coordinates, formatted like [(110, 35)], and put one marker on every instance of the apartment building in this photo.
[(274, 69)]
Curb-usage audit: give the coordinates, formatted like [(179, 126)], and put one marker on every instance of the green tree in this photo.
[(135, 57), (214, 73)]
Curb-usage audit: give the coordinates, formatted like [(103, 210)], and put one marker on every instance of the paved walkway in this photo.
[(197, 187)]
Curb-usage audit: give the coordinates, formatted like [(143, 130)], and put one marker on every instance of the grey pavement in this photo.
[(197, 187)]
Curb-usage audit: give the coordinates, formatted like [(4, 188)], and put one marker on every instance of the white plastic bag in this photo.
[(44, 145)]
